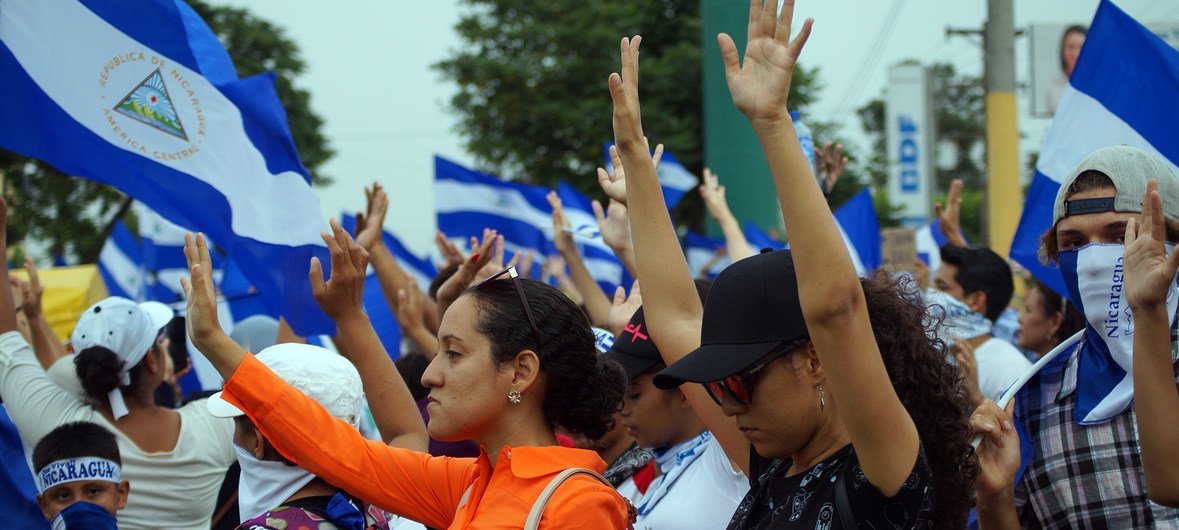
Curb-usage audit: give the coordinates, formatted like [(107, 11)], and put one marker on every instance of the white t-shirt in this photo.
[(704, 496), (174, 489), (999, 365)]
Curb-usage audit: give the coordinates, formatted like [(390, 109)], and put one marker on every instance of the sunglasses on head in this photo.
[(515, 276), (739, 385)]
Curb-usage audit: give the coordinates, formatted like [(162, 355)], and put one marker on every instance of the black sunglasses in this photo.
[(740, 385), (515, 276)]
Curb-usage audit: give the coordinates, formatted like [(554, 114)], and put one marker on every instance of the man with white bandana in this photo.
[(273, 492), (1079, 451)]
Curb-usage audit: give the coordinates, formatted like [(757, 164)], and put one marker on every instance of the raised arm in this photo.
[(1150, 279), (342, 298), (671, 305), (413, 321), (45, 342), (949, 216), (481, 255), (714, 199), (597, 305), (829, 291), (614, 224)]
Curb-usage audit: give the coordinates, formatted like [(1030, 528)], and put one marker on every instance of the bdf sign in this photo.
[(909, 120)]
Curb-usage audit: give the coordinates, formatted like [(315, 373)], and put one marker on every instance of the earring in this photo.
[(514, 396), (822, 401)]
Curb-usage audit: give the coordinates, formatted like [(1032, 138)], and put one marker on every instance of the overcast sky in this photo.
[(385, 110)]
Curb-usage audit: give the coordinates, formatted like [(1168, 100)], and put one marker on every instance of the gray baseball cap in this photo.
[(1129, 168)]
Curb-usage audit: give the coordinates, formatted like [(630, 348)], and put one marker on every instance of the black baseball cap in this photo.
[(751, 310), (634, 349)]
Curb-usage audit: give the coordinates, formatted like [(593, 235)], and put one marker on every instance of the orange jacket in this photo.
[(416, 485)]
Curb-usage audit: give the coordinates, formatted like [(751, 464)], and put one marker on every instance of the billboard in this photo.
[(910, 133), (1054, 52)]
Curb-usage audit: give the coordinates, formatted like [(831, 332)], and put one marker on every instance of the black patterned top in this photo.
[(807, 500)]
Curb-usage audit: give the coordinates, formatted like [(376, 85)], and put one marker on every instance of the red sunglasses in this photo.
[(739, 385)]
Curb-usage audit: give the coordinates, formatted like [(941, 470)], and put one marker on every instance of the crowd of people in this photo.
[(789, 392)]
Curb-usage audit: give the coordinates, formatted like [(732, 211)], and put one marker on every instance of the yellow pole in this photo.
[(1004, 197)]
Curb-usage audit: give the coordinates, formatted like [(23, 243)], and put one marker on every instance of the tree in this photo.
[(959, 121), (532, 100), (74, 215)]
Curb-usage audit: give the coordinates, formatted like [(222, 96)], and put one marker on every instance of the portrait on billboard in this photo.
[(1055, 49)]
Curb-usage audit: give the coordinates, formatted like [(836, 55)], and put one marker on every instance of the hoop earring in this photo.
[(822, 401), (514, 396)]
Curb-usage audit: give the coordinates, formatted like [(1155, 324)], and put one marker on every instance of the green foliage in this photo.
[(532, 99), (74, 215)]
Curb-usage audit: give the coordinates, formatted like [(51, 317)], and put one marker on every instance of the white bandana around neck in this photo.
[(958, 321), (264, 485), (672, 462), (79, 469), (1095, 280)]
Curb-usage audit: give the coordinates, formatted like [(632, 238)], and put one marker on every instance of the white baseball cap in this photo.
[(321, 374), (125, 328)]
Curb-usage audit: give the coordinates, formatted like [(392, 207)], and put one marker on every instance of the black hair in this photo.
[(75, 440), (444, 274), (98, 370), (980, 269), (1076, 28), (1072, 321), (268, 451), (411, 366), (582, 391)]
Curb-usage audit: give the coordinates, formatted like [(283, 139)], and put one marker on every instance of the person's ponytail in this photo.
[(98, 370), (599, 395)]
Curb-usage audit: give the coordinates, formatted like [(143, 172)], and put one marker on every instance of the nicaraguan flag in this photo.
[(142, 96), (1123, 91), (162, 251), (674, 178), (18, 491), (760, 239), (860, 231), (468, 201), (120, 263), (700, 250), (929, 240)]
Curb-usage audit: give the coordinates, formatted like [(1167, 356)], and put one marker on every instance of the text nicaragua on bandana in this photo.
[(78, 470)]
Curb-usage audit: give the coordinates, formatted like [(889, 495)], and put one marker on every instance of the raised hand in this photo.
[(31, 291), (761, 84), (527, 260), (998, 454), (713, 195), (615, 185), (623, 307), (341, 296), (409, 309), (949, 217), (200, 293), (561, 239), (450, 251), (454, 286), (614, 224), (831, 164), (370, 224), (1150, 273)]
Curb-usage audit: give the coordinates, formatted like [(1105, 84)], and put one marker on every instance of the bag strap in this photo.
[(842, 504), (534, 516)]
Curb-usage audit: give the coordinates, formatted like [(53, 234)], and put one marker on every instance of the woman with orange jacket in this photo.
[(504, 377)]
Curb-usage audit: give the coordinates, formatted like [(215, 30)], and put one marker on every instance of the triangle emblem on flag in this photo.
[(149, 103)]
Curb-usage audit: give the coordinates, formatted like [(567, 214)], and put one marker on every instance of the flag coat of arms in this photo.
[(141, 95)]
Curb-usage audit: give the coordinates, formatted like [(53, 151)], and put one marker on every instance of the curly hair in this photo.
[(582, 390), (930, 388)]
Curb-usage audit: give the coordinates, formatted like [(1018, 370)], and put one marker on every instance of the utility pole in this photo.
[(1004, 200)]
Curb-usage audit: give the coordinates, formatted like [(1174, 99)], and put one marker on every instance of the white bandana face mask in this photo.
[(265, 485), (958, 321), (1095, 279)]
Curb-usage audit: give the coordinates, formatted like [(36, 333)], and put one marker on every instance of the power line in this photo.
[(868, 64)]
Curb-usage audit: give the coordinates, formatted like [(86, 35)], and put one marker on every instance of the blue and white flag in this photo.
[(120, 263), (929, 240), (1123, 91), (674, 178), (700, 251), (760, 239), (142, 96), (468, 201), (860, 231)]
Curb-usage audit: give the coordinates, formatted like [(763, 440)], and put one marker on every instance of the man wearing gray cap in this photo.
[(1091, 442)]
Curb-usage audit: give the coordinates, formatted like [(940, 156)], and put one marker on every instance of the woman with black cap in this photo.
[(846, 412)]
